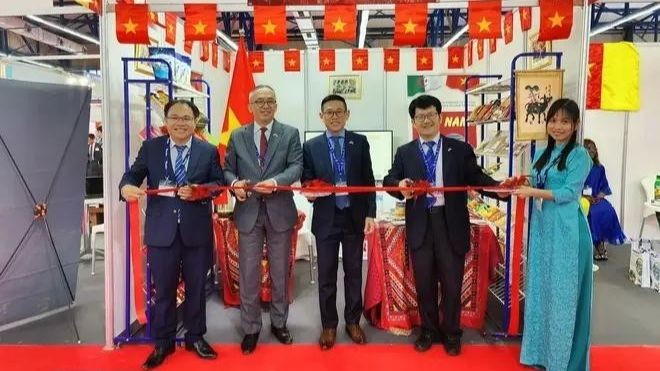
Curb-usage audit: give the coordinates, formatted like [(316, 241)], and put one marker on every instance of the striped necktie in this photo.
[(180, 166)]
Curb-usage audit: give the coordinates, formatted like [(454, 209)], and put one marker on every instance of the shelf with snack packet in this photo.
[(495, 111)]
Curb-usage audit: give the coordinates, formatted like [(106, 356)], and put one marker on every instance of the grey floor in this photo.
[(622, 314)]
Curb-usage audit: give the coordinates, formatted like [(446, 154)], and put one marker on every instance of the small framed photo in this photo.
[(348, 86), (536, 46), (142, 51), (535, 92)]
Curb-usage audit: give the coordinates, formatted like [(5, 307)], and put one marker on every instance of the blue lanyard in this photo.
[(169, 160), (542, 176), (338, 163), (430, 168)]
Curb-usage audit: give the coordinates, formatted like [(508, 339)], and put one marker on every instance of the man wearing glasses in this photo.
[(178, 230), (438, 224), (340, 157), (263, 154)]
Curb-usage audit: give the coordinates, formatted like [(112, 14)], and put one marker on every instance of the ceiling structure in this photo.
[(73, 36)]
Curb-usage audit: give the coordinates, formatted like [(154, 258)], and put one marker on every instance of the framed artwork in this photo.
[(535, 92), (142, 51), (348, 86), (536, 46)]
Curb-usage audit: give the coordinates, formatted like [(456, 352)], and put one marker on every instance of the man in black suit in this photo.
[(94, 157), (340, 157), (437, 225), (178, 230)]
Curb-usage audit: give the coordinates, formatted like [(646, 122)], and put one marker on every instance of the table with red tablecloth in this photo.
[(226, 244), (390, 298)]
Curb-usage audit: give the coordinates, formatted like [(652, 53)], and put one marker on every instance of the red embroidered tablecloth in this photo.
[(390, 299), (226, 244)]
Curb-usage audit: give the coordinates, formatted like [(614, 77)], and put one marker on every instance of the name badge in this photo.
[(587, 191), (339, 193), (166, 183), (538, 202)]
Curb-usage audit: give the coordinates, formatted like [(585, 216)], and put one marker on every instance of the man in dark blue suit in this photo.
[(340, 157), (178, 230), (437, 225)]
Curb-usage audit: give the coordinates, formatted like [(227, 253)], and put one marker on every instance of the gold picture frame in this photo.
[(348, 86), (142, 51), (536, 46), (535, 91)]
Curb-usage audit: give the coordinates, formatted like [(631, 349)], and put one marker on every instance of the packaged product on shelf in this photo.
[(655, 270), (639, 270)]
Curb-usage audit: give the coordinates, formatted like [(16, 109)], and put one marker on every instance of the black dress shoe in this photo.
[(157, 357), (452, 345), (282, 334), (249, 343), (424, 341), (202, 348)]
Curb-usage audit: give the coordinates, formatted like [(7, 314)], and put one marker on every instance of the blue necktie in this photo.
[(340, 201), (430, 162), (180, 166)]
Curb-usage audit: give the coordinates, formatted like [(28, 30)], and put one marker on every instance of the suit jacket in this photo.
[(95, 161), (161, 220), (317, 165), (283, 163), (459, 168)]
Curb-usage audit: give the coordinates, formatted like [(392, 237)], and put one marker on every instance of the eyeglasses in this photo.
[(263, 103), (429, 116), (184, 119), (334, 113)]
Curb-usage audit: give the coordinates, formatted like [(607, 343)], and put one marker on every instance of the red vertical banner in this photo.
[(170, 28), (214, 54), (204, 51), (469, 47), (226, 60)]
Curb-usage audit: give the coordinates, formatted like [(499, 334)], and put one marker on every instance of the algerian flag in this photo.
[(423, 84)]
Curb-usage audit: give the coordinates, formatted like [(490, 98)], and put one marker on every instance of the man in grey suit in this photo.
[(265, 153)]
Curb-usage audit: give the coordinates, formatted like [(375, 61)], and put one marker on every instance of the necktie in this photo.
[(340, 201), (91, 152), (263, 147), (180, 166), (430, 162)]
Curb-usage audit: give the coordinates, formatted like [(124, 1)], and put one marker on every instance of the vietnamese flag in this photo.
[(214, 54), (201, 23), (270, 25), (485, 19), (360, 59), (525, 17), (327, 60), (256, 60), (187, 46), (292, 60), (391, 60), (410, 24), (469, 47), (153, 18), (508, 27), (170, 28), (96, 5), (492, 45), (458, 82), (132, 23), (556, 19), (226, 60), (339, 22), (455, 55), (204, 54), (613, 77), (237, 113), (424, 59)]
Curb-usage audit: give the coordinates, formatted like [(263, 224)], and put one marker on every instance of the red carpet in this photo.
[(308, 357)]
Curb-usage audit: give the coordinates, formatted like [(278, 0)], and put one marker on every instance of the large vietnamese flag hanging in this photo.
[(485, 19), (132, 23), (556, 19), (613, 77), (410, 24), (339, 22), (201, 23), (270, 25), (237, 113)]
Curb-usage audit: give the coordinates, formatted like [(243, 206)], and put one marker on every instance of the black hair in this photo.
[(571, 109), (334, 97), (589, 142), (424, 102), (188, 103), (91, 136)]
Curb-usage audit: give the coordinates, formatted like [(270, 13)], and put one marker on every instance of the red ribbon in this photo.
[(516, 257)]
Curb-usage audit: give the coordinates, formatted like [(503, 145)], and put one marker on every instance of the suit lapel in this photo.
[(447, 152), (194, 157), (349, 150), (323, 154), (274, 139), (421, 166), (248, 137)]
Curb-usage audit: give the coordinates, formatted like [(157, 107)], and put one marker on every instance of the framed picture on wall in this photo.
[(348, 86), (142, 51), (535, 92), (536, 46)]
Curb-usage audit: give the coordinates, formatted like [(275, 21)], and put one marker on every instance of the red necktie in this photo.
[(263, 146)]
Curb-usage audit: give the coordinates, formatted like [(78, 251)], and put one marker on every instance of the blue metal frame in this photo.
[(125, 337), (465, 95), (512, 118)]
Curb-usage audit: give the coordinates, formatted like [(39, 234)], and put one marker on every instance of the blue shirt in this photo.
[(174, 153), (439, 196)]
